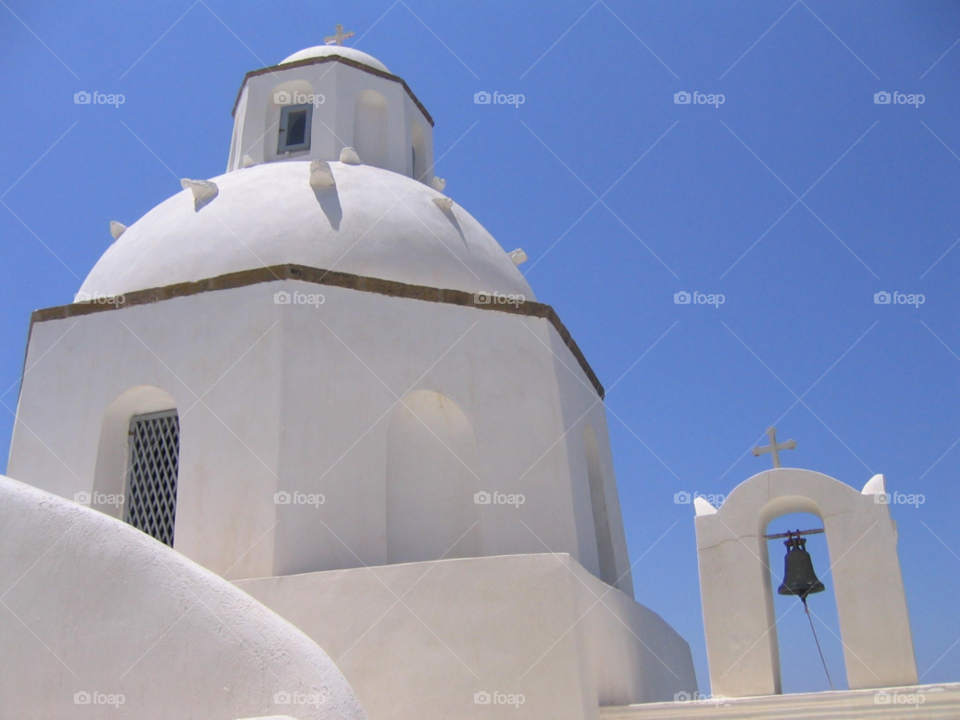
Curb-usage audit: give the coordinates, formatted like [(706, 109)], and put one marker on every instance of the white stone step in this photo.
[(918, 702)]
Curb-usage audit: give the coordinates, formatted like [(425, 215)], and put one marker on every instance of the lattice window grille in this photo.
[(151, 501)]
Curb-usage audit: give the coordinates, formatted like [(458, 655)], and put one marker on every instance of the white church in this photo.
[(306, 445)]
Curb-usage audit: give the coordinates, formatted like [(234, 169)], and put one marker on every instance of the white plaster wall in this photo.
[(297, 399), (346, 366), (581, 405), (91, 605), (224, 348), (527, 624), (257, 128)]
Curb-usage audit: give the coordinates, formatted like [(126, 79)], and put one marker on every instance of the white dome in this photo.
[(111, 594), (347, 52), (374, 223)]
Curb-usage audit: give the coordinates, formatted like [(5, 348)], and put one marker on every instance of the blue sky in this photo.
[(694, 198)]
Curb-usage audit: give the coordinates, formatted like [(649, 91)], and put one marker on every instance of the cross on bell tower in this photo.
[(773, 448), (338, 37)]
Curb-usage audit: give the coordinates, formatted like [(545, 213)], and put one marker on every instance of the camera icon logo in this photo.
[(681, 498), (881, 298), (482, 698), (681, 98), (481, 98), (81, 98), (881, 98), (281, 498), (282, 698), (82, 497), (881, 698), (682, 696), (282, 97), (881, 499), (681, 298), (281, 298), (81, 698), (481, 298), (482, 498)]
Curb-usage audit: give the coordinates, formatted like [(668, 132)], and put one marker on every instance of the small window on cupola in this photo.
[(295, 128)]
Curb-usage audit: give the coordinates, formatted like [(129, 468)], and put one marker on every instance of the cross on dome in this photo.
[(338, 37), (773, 448)]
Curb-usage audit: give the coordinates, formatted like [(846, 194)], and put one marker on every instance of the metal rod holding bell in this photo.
[(818, 531)]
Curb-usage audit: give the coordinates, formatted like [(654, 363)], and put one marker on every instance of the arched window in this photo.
[(598, 500), (418, 145), (432, 481), (138, 461), (288, 120), (370, 128), (294, 129), (151, 499)]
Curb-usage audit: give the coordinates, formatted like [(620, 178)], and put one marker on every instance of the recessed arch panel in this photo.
[(370, 128), (432, 466)]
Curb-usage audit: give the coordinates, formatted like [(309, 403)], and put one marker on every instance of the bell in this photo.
[(798, 575)]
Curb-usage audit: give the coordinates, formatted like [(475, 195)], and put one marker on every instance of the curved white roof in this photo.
[(374, 223), (347, 52), (139, 619)]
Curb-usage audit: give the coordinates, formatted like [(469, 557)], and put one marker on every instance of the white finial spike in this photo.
[(202, 189), (246, 161), (518, 256), (703, 506), (444, 203), (339, 37), (773, 448), (117, 229), (438, 183), (875, 486), (349, 156), (320, 174)]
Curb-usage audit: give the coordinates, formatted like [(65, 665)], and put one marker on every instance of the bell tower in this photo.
[(736, 590), (323, 99)]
